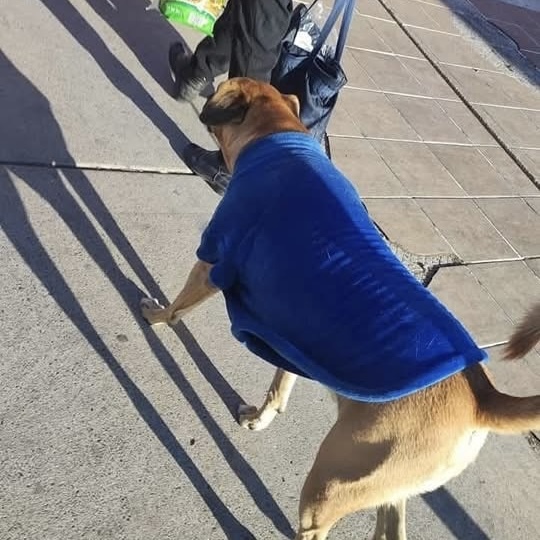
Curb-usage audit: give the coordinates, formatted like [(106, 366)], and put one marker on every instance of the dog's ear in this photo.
[(293, 103), (227, 106)]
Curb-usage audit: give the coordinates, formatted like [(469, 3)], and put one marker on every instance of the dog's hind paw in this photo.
[(250, 418)]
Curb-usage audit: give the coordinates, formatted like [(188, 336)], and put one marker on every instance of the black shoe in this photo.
[(187, 86), (209, 165)]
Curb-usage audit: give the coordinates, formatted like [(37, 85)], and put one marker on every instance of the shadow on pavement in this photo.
[(19, 94), (479, 28), (119, 76), (146, 32), (452, 514)]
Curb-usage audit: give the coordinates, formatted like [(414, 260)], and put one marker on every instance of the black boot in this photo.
[(209, 165), (187, 85)]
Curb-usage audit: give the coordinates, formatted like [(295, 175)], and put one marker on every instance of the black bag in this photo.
[(315, 78)]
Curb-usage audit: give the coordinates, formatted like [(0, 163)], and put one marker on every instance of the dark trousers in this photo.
[(246, 42)]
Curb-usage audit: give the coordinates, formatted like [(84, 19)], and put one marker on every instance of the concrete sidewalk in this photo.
[(109, 429)]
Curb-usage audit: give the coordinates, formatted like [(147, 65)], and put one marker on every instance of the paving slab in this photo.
[(519, 19), (471, 170), (115, 430), (498, 83), (99, 94), (419, 169), (374, 176), (403, 221)]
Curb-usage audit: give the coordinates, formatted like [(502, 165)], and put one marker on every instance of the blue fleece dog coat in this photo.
[(311, 287)]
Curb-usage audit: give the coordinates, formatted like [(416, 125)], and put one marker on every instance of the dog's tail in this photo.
[(526, 335), (508, 414)]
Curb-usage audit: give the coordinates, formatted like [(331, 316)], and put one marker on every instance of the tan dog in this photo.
[(376, 454)]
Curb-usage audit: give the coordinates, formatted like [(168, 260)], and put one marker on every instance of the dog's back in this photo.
[(312, 287)]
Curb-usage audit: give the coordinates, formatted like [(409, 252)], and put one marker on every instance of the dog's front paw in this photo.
[(250, 418), (153, 311)]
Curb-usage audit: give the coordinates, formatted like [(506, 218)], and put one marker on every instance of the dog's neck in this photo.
[(233, 139)]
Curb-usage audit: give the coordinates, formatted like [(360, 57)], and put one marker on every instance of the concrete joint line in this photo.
[(416, 141), (98, 167), (461, 96), (385, 53)]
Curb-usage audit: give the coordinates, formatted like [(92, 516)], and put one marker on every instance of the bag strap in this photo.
[(345, 6), (344, 30)]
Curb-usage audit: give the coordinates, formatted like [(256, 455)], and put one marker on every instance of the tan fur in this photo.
[(526, 336), (376, 454)]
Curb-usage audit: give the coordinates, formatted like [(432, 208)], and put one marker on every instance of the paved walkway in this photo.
[(109, 429), (518, 19)]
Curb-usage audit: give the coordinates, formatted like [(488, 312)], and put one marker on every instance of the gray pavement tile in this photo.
[(418, 168), (103, 100), (388, 72), (453, 49), (472, 170), (467, 123), (404, 222), (517, 221), (518, 377), (356, 74), (534, 265), (422, 14), (428, 119), (534, 203), (342, 122), (459, 289), (372, 8), (431, 82), (520, 34), (533, 56), (375, 115), (442, 15), (459, 506), (362, 165), (467, 230), (513, 175), (512, 284), (395, 38), (362, 34), (515, 127), (495, 88), (531, 160)]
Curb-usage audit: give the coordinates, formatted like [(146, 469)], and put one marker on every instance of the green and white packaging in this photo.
[(198, 14)]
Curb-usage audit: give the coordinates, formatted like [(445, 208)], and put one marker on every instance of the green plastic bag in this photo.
[(198, 14)]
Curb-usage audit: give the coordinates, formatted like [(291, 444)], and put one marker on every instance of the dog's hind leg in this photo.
[(276, 402), (349, 474), (196, 290), (391, 522)]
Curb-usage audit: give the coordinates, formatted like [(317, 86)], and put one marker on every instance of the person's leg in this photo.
[(247, 41), (259, 29), (213, 54), (194, 72), (256, 29)]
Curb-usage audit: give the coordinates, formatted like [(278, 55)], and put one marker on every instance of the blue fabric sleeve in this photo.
[(217, 247)]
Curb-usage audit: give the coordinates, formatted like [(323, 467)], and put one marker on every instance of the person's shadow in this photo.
[(145, 31), (18, 95), (148, 38)]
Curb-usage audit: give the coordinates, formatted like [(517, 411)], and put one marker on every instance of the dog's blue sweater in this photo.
[(311, 286)]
